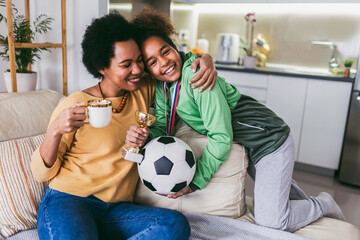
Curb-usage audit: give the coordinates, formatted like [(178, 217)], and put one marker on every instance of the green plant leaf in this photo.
[(3, 4), (23, 33), (348, 63), (42, 23), (244, 46)]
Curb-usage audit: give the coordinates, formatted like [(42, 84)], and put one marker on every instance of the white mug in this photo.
[(99, 112)]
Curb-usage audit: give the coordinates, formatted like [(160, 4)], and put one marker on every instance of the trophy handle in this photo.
[(151, 120), (144, 119)]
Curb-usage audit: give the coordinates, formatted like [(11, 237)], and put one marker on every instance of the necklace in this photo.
[(123, 102)]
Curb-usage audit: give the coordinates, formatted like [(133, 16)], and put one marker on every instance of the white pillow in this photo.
[(223, 196), (25, 114)]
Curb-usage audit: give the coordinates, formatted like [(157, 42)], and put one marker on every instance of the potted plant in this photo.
[(347, 65), (23, 33), (250, 58)]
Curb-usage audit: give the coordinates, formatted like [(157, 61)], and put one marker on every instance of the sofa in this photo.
[(212, 212)]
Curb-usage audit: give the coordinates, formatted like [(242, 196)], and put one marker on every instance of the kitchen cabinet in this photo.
[(324, 121), (315, 110), (286, 97), (253, 85)]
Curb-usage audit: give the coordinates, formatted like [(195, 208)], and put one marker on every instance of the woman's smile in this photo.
[(135, 80), (126, 67)]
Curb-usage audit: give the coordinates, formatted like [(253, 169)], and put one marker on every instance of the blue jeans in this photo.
[(64, 216)]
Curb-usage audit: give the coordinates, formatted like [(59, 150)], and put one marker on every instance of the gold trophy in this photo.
[(144, 120)]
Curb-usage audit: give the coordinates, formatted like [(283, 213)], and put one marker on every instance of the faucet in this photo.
[(332, 62)]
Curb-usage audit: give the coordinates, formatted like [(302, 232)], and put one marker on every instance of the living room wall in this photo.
[(79, 14)]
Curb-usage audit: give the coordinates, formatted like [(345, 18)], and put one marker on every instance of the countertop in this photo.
[(290, 71)]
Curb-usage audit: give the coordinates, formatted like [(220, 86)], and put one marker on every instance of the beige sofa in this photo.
[(24, 118)]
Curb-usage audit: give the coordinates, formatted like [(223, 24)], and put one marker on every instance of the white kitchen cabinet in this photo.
[(324, 122), (286, 97), (315, 110), (251, 84)]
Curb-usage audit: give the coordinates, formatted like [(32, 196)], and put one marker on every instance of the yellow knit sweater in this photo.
[(89, 160)]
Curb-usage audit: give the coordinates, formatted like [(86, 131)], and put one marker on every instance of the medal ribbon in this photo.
[(170, 122)]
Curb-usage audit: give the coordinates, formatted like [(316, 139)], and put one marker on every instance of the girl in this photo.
[(224, 115)]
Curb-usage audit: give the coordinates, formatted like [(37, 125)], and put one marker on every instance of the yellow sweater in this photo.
[(89, 160)]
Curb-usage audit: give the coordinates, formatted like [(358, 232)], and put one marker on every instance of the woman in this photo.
[(226, 115), (91, 186)]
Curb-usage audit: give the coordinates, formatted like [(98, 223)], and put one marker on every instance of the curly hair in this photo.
[(150, 22), (99, 38)]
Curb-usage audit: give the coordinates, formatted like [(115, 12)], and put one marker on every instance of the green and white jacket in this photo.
[(211, 113)]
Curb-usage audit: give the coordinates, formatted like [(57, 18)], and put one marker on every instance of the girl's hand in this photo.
[(136, 136), (186, 190), (70, 119), (207, 73)]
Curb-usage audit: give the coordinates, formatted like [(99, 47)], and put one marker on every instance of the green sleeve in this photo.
[(159, 128), (216, 117)]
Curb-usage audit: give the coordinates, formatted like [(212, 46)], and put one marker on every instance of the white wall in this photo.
[(289, 28), (79, 14)]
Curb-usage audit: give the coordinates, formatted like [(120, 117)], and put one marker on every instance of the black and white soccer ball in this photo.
[(168, 165)]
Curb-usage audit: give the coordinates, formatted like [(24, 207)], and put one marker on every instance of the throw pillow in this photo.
[(25, 114), (223, 196), (20, 194)]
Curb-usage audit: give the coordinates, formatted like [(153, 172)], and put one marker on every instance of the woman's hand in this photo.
[(69, 120), (207, 73), (136, 136), (186, 190)]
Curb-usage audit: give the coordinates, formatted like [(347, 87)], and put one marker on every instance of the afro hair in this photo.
[(99, 38), (150, 22)]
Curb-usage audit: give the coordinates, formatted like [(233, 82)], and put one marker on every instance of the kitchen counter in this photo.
[(290, 71)]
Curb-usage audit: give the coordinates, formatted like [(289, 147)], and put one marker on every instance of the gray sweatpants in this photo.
[(278, 202)]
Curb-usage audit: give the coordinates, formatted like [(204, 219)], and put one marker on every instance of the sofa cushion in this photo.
[(223, 196), (27, 113), (31, 234), (20, 194)]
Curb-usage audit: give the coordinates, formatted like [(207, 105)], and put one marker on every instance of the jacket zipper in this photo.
[(247, 125)]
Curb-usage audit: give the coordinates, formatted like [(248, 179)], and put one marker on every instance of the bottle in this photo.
[(203, 44)]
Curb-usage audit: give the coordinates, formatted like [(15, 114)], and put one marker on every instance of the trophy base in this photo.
[(131, 156)]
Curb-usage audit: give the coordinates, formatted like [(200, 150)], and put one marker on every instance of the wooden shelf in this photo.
[(12, 44)]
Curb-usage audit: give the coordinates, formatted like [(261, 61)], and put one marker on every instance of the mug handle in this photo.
[(86, 112)]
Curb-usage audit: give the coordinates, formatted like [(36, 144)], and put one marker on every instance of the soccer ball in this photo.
[(168, 165)]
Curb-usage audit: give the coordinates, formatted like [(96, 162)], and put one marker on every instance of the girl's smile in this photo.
[(161, 59), (170, 70)]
